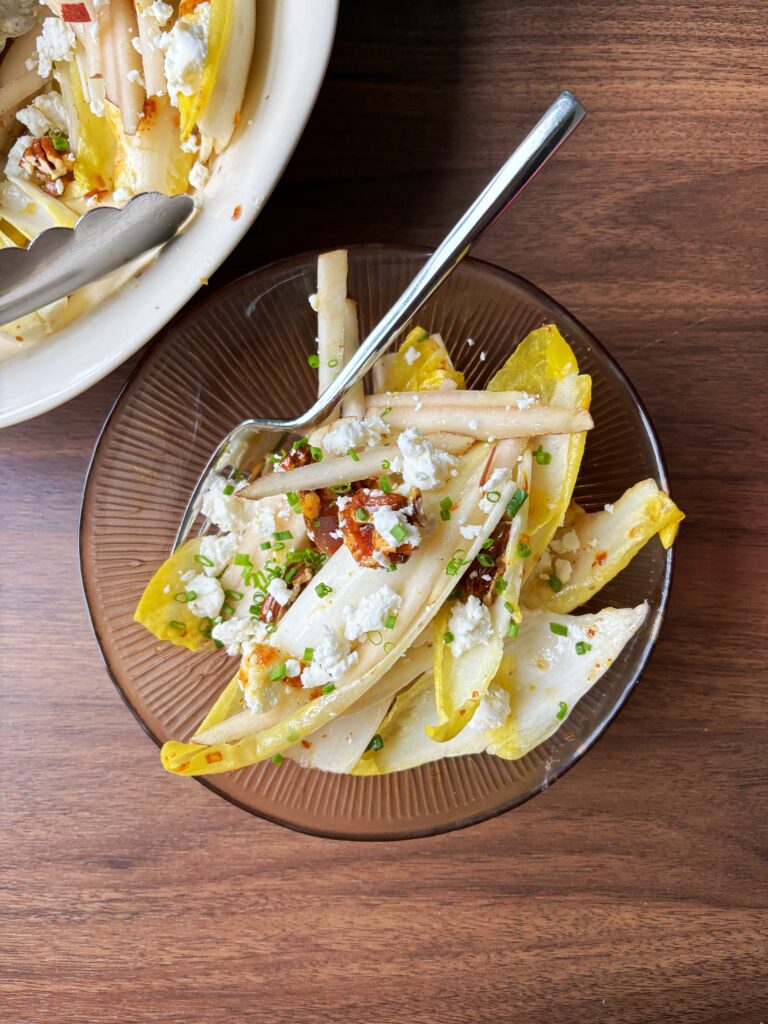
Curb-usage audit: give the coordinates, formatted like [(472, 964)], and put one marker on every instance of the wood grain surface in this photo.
[(634, 889)]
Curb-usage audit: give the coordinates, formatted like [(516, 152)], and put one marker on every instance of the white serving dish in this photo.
[(293, 44)]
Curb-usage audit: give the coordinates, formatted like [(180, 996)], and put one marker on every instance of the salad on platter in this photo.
[(404, 584), (101, 100)]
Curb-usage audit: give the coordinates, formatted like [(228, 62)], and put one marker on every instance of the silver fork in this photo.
[(254, 438)]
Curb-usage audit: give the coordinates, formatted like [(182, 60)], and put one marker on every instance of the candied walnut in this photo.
[(478, 581), (272, 610), (44, 163), (319, 508), (359, 534)]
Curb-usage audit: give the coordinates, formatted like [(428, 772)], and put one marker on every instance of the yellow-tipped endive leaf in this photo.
[(422, 583), (151, 160), (222, 110), (29, 210), (160, 612), (95, 154), (608, 541), (429, 370), (225, 41), (542, 676), (462, 682), (543, 364)]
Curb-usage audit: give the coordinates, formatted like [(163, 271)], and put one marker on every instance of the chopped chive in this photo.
[(283, 535), (493, 496), (59, 142), (265, 545), (445, 515), (387, 410), (510, 607), (203, 560), (228, 608), (277, 672), (229, 489), (278, 758), (385, 485), (175, 624), (392, 567), (234, 595), (219, 644), (500, 585), (341, 488), (375, 637), (328, 688), (270, 627), (361, 515), (558, 629), (388, 646), (523, 549), (513, 629), (353, 454), (516, 502), (486, 561), (309, 653), (390, 621), (185, 596), (448, 637), (555, 583), (333, 362), (314, 361), (292, 736), (243, 559), (385, 464), (291, 573), (255, 610), (317, 454), (293, 499), (542, 457), (562, 711), (487, 543), (582, 647), (446, 503), (399, 532), (300, 443), (322, 589), (376, 743), (278, 546)]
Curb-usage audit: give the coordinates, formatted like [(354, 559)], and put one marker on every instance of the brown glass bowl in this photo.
[(244, 353)]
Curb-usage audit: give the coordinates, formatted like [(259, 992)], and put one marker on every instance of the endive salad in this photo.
[(403, 584), (103, 99)]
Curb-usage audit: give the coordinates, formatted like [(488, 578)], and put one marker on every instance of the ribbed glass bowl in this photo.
[(244, 353)]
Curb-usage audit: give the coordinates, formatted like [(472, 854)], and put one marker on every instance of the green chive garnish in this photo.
[(278, 758), (376, 743), (283, 535), (361, 515), (487, 543), (203, 560), (510, 607), (399, 532), (486, 561), (385, 464), (314, 361), (500, 585), (243, 559), (523, 549), (229, 489), (562, 711), (234, 595), (445, 515), (513, 629), (390, 621), (493, 496), (385, 485), (175, 624), (542, 458), (558, 629), (448, 637), (60, 142), (265, 545), (353, 454), (341, 488), (582, 647), (322, 589), (293, 499), (317, 454), (387, 410), (446, 503), (392, 567), (555, 583), (328, 688), (300, 443), (255, 610), (516, 502), (278, 672), (309, 653), (333, 362)]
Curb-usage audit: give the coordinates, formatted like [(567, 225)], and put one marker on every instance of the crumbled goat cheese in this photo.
[(567, 543), (349, 433), (219, 549), (470, 342), (386, 519), (186, 47), (280, 591), (492, 711), (411, 355), (227, 511), (378, 556), (423, 464), (209, 599), (191, 144), (330, 660), (136, 44), (371, 613), (260, 696), (199, 175), (482, 357), (563, 569), (470, 624), (135, 77), (161, 12), (45, 112), (472, 424), (239, 635), (13, 168), (292, 668), (495, 482), (527, 401), (470, 532), (55, 42), (609, 509), (342, 501)]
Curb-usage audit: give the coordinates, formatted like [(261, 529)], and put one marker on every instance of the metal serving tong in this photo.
[(59, 260), (254, 438)]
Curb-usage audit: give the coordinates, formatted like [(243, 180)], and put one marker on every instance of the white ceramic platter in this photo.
[(293, 44)]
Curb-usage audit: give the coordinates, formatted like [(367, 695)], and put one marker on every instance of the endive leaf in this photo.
[(160, 612), (95, 157), (191, 108), (421, 364), (608, 541)]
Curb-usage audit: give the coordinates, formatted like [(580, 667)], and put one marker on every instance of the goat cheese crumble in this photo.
[(470, 624), (492, 711), (350, 433), (423, 464), (239, 635), (371, 613), (185, 48), (411, 355), (45, 112), (209, 596), (569, 542), (279, 590), (330, 660), (55, 42), (230, 513), (495, 482), (219, 549), (386, 519)]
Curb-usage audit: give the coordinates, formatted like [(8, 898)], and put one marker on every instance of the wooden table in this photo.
[(634, 890)]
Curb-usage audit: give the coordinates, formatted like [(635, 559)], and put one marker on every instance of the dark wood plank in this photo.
[(632, 891)]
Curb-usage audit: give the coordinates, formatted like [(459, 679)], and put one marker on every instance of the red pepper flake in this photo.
[(489, 463), (475, 695), (306, 744), (75, 13), (214, 757), (183, 767), (19, 338), (462, 711), (237, 212), (600, 558)]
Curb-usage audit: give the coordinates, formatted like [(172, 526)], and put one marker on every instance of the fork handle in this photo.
[(530, 156)]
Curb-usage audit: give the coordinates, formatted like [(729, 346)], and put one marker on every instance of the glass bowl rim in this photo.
[(558, 311)]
